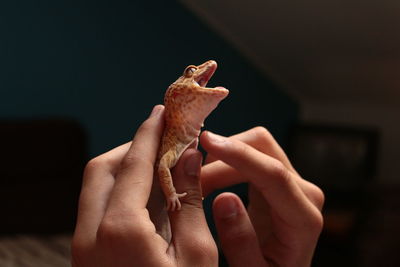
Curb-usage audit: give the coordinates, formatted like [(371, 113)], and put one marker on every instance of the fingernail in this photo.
[(215, 138), (226, 208), (193, 165), (156, 110)]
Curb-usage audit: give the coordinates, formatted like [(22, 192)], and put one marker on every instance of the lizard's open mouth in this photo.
[(203, 78)]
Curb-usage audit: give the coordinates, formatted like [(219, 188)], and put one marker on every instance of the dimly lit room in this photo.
[(78, 79)]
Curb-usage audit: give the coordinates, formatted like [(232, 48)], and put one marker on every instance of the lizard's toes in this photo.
[(173, 202)]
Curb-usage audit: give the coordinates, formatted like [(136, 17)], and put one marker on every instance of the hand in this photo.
[(114, 226), (283, 219)]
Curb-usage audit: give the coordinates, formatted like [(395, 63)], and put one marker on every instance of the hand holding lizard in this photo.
[(114, 226)]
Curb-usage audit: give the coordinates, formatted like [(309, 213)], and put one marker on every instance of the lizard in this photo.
[(187, 103)]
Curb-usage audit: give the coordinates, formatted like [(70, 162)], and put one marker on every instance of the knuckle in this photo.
[(116, 228), (192, 200), (242, 149), (279, 170), (94, 164), (319, 197), (102, 162), (315, 194), (133, 158), (263, 134), (107, 232), (208, 254), (203, 252), (315, 222), (99, 162), (110, 232), (129, 160), (92, 168)]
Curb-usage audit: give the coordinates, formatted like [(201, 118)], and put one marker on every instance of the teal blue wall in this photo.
[(106, 63)]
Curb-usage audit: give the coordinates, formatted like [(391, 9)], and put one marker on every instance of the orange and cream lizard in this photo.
[(187, 103)]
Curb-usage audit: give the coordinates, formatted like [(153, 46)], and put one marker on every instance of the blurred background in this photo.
[(78, 77)]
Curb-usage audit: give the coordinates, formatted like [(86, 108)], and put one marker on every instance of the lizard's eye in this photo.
[(189, 71)]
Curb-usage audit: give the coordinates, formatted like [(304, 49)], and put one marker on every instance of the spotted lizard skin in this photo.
[(187, 103)]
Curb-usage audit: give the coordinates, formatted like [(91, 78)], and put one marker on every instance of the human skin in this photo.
[(114, 226), (279, 228), (283, 220)]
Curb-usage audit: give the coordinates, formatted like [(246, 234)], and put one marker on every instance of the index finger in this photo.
[(97, 184), (133, 181), (267, 174), (261, 139)]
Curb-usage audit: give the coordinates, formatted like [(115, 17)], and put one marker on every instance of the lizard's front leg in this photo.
[(166, 183)]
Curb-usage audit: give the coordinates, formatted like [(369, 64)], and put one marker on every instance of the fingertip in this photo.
[(212, 142), (226, 206), (213, 138), (157, 109)]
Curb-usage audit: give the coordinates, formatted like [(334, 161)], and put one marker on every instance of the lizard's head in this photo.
[(189, 99), (198, 77)]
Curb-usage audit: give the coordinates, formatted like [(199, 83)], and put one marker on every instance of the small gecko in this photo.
[(187, 104)]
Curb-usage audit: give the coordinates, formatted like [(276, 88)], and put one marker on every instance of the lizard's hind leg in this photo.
[(166, 183)]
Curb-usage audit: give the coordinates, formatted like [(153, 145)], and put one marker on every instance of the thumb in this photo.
[(188, 225), (236, 233)]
